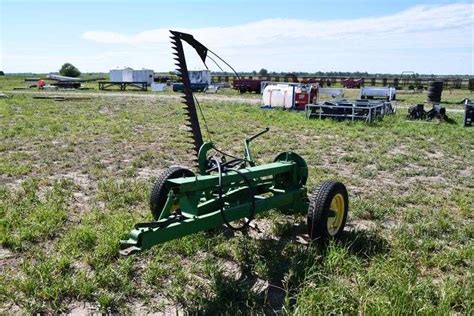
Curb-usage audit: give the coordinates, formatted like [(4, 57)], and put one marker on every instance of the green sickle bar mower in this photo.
[(229, 188)]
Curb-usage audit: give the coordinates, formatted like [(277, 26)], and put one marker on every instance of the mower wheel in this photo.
[(159, 192), (327, 211)]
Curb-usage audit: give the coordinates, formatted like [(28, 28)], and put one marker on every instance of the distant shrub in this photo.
[(69, 70)]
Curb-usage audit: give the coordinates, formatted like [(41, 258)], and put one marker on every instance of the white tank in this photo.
[(279, 95)]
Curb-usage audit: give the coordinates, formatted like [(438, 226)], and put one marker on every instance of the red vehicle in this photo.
[(353, 83), (248, 85), (307, 94)]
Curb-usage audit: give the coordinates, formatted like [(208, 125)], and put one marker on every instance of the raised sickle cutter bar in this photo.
[(228, 188)]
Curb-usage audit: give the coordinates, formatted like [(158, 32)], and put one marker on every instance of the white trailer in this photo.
[(143, 75), (387, 93), (121, 75), (130, 75), (116, 75)]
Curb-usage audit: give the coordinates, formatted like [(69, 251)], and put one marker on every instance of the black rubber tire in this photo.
[(435, 89), (434, 98), (437, 84), (318, 210), (159, 192)]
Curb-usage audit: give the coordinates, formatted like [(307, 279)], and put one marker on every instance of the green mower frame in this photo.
[(229, 188)]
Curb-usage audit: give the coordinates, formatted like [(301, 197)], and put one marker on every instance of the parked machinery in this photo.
[(248, 85), (366, 110), (199, 79), (417, 112), (227, 188), (468, 112), (65, 82), (353, 83)]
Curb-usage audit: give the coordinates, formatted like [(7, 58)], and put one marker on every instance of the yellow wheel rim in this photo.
[(336, 214)]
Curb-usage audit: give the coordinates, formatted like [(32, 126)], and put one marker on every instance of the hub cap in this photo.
[(336, 214)]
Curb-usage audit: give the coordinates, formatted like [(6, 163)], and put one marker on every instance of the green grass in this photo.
[(75, 177)]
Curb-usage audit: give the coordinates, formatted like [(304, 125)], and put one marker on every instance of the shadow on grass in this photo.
[(272, 270), (364, 244)]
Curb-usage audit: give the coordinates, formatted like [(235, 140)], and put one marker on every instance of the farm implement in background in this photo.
[(228, 188), (248, 85), (353, 83), (468, 112), (417, 112), (366, 110)]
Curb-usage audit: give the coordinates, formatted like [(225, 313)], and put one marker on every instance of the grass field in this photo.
[(75, 177)]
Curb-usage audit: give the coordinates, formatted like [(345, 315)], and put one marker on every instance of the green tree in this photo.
[(2, 73), (69, 70), (263, 72)]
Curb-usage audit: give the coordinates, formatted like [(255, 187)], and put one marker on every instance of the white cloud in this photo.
[(425, 39), (457, 19), (367, 44)]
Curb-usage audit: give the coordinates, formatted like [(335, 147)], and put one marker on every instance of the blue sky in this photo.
[(330, 35)]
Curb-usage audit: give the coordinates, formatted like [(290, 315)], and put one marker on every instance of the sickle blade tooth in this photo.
[(191, 118)]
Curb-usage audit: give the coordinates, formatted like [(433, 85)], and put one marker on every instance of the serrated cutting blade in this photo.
[(190, 106)]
